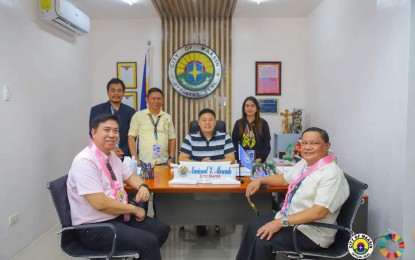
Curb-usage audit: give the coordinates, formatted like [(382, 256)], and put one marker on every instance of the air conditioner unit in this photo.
[(65, 16)]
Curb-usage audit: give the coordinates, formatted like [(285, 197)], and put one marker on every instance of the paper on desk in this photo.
[(244, 171)]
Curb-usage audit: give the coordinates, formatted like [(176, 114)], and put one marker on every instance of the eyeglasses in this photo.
[(253, 206)]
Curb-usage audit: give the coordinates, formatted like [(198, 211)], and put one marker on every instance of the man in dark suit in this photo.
[(115, 91)]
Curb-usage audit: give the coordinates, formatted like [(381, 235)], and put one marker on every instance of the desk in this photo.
[(207, 204)]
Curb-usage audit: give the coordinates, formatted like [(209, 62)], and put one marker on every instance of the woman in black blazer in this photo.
[(252, 132)]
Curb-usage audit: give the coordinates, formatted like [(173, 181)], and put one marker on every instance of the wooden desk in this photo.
[(207, 204), (162, 176)]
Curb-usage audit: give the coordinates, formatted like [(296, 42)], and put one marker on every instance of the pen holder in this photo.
[(148, 170)]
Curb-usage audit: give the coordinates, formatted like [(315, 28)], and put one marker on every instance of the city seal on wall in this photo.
[(195, 71)]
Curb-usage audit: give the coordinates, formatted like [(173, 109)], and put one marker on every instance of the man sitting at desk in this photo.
[(207, 145), (96, 194), (317, 189)]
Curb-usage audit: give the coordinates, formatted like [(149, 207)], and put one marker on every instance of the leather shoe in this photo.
[(201, 230)]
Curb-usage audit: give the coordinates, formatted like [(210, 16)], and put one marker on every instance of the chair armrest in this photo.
[(96, 225), (325, 225), (316, 224)]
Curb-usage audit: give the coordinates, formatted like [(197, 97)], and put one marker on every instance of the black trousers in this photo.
[(146, 236), (262, 249)]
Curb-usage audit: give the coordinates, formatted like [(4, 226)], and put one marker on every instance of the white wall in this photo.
[(346, 64), (269, 40), (115, 41), (408, 203), (357, 56), (44, 124)]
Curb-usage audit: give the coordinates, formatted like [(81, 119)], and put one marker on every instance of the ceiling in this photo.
[(120, 9)]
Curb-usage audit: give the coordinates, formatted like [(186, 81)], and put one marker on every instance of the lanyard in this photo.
[(117, 190), (299, 177), (155, 124), (251, 137), (113, 111)]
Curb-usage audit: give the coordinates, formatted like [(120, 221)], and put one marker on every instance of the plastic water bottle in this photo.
[(133, 165)]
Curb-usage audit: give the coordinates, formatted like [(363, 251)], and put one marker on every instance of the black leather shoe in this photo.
[(201, 231)]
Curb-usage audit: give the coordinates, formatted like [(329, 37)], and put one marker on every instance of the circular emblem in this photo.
[(384, 241), (121, 195), (183, 171), (195, 71), (360, 246)]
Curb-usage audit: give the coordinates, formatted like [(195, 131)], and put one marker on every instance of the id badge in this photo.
[(251, 155), (156, 151)]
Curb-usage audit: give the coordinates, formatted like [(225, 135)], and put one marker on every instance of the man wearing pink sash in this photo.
[(317, 189), (96, 195)]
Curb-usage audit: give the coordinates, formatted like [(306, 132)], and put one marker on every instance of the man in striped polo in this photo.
[(207, 145)]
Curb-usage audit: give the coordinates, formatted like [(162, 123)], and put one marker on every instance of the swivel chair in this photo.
[(69, 242), (220, 126), (348, 211)]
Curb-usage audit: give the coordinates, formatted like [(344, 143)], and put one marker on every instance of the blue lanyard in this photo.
[(155, 124), (113, 111), (290, 197)]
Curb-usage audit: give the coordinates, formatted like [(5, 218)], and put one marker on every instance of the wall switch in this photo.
[(6, 93), (13, 219)]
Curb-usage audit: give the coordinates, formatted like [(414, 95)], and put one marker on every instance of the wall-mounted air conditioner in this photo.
[(64, 15)]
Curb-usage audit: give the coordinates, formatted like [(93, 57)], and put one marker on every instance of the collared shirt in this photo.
[(326, 187), (86, 176), (196, 145), (143, 127)]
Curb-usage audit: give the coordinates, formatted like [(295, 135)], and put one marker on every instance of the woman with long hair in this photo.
[(252, 132)]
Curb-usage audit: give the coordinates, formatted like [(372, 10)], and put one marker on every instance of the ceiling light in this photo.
[(130, 2), (259, 1)]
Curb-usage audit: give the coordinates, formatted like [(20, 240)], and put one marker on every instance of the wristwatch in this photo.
[(284, 222), (143, 185), (172, 158)]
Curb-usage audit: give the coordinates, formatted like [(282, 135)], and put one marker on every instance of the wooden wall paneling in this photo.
[(206, 22)]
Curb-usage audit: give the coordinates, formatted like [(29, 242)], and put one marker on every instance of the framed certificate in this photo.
[(130, 99), (127, 72), (268, 78)]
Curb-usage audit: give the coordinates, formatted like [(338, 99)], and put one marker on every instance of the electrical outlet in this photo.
[(13, 219), (6, 93)]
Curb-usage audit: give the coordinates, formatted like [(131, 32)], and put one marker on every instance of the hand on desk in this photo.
[(253, 187)]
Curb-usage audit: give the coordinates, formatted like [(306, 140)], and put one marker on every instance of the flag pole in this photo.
[(239, 163)]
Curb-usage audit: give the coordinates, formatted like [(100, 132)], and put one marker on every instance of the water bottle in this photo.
[(133, 165)]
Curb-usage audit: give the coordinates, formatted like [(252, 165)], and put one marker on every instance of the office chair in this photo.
[(194, 128), (345, 220), (220, 126), (69, 242)]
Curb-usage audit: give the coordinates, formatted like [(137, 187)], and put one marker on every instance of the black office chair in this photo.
[(345, 220), (69, 242), (220, 126)]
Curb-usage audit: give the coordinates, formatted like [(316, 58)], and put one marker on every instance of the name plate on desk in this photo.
[(205, 172)]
